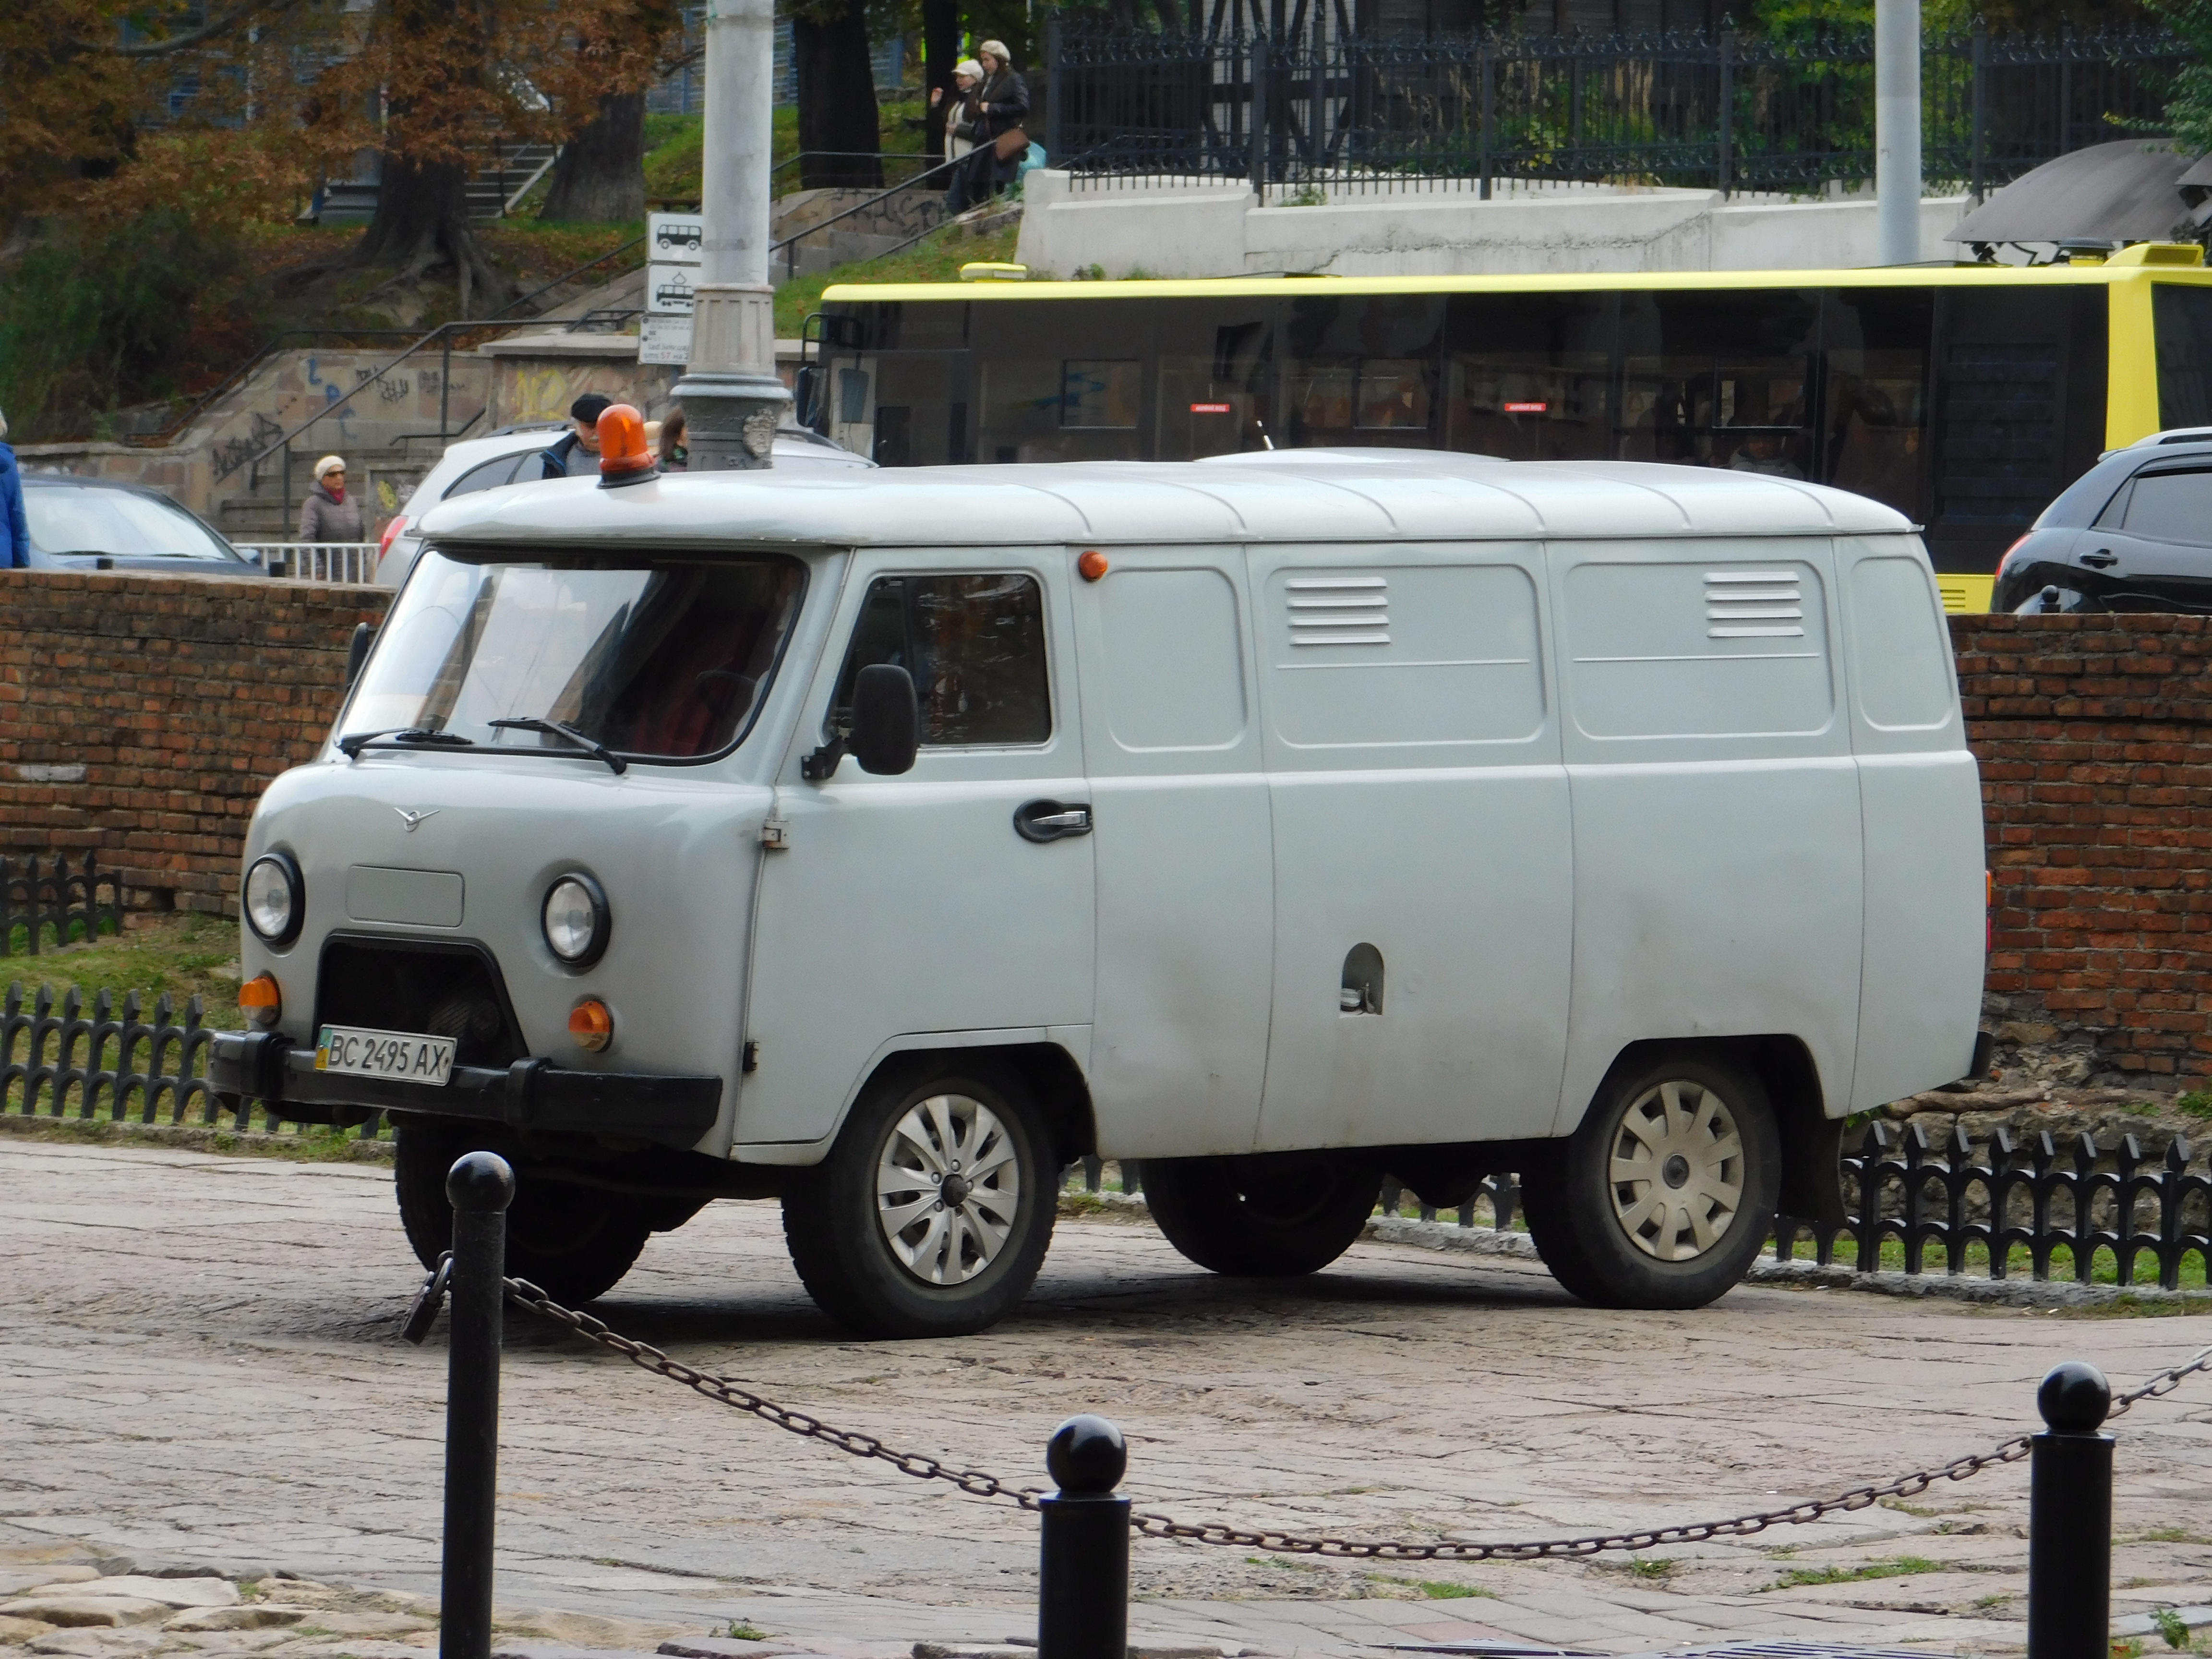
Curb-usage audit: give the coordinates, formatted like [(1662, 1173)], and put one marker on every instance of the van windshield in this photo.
[(660, 658)]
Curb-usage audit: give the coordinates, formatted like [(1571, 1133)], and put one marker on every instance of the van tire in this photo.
[(574, 1243), (834, 1217), (1608, 1242), (1269, 1215)]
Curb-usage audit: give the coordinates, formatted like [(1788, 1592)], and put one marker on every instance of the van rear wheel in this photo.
[(1664, 1195), (1269, 1215), (933, 1212), (574, 1243)]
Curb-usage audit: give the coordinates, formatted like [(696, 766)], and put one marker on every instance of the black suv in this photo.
[(2132, 533)]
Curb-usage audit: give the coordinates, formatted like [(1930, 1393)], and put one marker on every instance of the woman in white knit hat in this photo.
[(329, 514)]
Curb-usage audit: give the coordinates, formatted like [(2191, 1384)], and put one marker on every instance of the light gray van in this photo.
[(885, 840)]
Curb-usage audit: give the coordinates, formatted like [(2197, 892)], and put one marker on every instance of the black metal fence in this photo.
[(2025, 1196), (45, 898), (1970, 1211), (1316, 112)]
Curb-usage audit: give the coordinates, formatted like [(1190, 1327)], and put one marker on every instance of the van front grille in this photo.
[(436, 990)]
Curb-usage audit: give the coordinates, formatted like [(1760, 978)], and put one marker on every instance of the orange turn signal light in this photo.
[(1092, 565), (261, 999), (624, 455), (591, 1024)]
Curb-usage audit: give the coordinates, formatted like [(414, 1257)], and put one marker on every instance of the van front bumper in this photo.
[(531, 1094)]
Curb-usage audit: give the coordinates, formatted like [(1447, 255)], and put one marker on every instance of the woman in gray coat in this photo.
[(328, 514)]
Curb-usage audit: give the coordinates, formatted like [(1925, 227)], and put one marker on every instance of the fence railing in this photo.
[(2026, 1195), (1951, 1205), (1726, 110), (45, 897), (316, 562)]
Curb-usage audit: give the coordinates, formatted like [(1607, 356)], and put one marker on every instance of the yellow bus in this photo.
[(1965, 396)]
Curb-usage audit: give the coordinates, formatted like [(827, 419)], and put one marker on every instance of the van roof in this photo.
[(1288, 495)]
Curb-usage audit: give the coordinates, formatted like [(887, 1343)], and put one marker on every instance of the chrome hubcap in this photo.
[(947, 1188), (1676, 1171)]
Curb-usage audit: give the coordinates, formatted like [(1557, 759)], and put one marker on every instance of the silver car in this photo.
[(502, 458)]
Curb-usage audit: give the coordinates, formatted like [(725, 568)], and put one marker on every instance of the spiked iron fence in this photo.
[(1330, 112), (1953, 1201), (51, 902), (2024, 1195)]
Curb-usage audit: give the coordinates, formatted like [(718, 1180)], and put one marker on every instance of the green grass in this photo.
[(1901, 1566), (1650, 1569), (938, 259), (2170, 1627), (2103, 1270), (187, 955), (740, 1631), (1436, 1590), (675, 148), (2197, 1103)]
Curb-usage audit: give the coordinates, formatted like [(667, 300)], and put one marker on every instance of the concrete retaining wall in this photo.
[(1211, 230)]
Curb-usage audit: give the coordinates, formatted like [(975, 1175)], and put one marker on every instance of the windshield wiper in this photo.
[(596, 749), (353, 743)]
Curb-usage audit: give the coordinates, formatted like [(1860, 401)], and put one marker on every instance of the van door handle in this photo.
[(1049, 820), (2101, 557)]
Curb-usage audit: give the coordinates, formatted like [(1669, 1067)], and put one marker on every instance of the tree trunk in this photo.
[(940, 51), (422, 224), (836, 95), (600, 177)]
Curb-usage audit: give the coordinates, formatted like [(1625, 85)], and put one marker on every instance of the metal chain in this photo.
[(979, 1484)]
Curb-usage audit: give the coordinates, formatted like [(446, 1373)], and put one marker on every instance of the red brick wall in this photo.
[(2095, 739), (180, 697)]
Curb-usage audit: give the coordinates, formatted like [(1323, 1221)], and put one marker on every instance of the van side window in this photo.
[(974, 645), (1901, 657)]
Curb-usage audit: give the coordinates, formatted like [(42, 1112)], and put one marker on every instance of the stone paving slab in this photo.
[(203, 1372)]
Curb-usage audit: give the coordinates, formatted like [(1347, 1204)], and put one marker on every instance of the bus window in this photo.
[(1719, 379), (1363, 370), (1216, 386), (1874, 439), (921, 412), (1060, 380), (1530, 376), (2182, 316), (2018, 412)]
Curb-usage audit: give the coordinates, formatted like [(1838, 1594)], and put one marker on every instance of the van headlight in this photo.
[(576, 920), (275, 898)]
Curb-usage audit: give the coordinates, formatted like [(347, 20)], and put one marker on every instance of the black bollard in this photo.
[(480, 1186), (1082, 1600), (2069, 1519)]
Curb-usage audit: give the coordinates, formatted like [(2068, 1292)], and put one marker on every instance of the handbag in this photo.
[(1010, 143)]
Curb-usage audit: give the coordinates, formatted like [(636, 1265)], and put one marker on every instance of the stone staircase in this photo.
[(512, 169)]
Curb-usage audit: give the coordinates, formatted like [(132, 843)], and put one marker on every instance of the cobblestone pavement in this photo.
[(200, 1370)]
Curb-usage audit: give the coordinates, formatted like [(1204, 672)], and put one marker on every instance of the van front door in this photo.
[(1186, 904), (910, 911)]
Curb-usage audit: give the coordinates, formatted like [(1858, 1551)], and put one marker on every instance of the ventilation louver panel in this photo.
[(1754, 605), (1340, 610)]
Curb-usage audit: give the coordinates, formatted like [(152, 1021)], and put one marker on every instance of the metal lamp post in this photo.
[(732, 400), (1897, 131)]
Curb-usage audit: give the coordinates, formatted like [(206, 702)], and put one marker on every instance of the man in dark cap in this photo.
[(577, 454)]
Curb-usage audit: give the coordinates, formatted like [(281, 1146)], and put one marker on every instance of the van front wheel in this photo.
[(1269, 1215), (574, 1243), (1663, 1196), (932, 1213)]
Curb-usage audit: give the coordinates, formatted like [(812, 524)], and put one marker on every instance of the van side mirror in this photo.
[(886, 720), (357, 648), (885, 730)]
